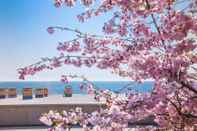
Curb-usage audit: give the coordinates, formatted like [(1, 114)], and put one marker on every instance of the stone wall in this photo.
[(28, 115)]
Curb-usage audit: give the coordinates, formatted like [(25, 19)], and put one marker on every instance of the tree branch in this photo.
[(155, 23)]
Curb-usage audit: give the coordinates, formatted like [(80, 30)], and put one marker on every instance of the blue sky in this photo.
[(24, 40)]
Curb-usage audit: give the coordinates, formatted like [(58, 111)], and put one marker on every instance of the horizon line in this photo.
[(71, 80)]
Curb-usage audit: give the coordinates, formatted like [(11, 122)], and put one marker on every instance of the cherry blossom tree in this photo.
[(143, 39)]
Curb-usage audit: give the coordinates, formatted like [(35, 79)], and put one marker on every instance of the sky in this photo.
[(24, 40)]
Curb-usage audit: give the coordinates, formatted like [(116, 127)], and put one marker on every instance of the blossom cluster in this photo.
[(144, 39), (174, 107)]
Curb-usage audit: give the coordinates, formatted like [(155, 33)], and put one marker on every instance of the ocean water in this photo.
[(58, 87)]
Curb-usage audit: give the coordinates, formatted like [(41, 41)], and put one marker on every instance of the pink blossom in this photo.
[(70, 2), (50, 30), (58, 3), (87, 2)]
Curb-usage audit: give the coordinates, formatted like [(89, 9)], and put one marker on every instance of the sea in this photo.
[(56, 87)]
